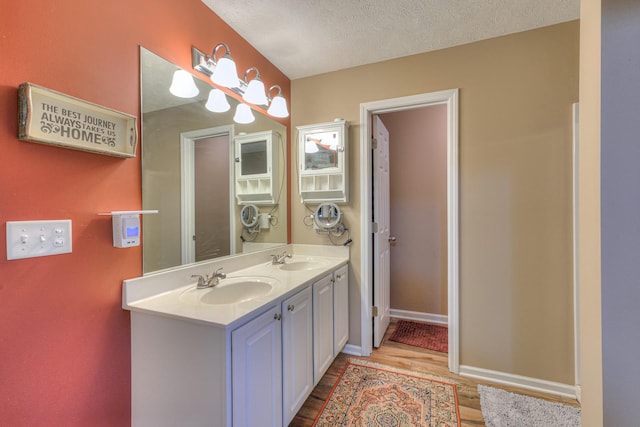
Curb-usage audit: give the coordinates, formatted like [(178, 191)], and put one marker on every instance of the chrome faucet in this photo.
[(279, 259), (209, 281)]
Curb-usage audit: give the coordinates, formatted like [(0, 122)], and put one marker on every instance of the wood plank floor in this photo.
[(416, 359)]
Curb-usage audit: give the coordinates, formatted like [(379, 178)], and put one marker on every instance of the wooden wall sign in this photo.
[(50, 117)]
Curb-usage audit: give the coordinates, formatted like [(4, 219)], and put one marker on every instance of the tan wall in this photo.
[(589, 264), (515, 187), (418, 191)]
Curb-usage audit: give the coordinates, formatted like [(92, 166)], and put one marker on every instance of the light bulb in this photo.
[(225, 73), (183, 85), (310, 146), (278, 107), (217, 101), (255, 92), (243, 114)]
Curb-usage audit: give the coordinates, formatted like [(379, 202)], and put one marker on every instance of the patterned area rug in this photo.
[(373, 395), (431, 337)]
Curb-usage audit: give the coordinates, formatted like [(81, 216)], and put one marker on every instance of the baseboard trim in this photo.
[(556, 389), (352, 350), (439, 319)]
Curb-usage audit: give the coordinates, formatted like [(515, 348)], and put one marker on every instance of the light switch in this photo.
[(26, 239)]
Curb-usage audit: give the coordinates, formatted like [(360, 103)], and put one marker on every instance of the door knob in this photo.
[(392, 239)]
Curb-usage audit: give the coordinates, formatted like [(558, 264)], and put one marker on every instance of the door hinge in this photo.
[(374, 311), (374, 227), (374, 144)]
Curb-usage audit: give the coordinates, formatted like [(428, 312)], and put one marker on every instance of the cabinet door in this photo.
[(322, 326), (340, 309), (297, 352), (257, 371)]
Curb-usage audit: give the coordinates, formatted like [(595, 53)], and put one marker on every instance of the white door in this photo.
[(322, 326), (195, 215), (381, 213), (257, 371), (297, 352), (211, 237), (340, 309)]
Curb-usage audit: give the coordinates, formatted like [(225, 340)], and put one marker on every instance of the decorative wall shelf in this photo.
[(323, 160), (257, 168)]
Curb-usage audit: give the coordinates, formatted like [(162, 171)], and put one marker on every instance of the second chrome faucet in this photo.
[(209, 281), (279, 259)]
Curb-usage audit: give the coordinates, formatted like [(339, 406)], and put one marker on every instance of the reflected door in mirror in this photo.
[(212, 229)]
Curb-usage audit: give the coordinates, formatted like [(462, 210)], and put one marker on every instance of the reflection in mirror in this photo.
[(188, 172), (249, 216), (321, 151), (328, 216)]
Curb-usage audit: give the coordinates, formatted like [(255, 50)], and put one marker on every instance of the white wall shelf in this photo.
[(323, 161), (257, 168)]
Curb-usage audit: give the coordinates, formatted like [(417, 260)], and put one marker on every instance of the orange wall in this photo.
[(64, 339)]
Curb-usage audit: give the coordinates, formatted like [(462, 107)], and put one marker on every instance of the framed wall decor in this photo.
[(49, 117)]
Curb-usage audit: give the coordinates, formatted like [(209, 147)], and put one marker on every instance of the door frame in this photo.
[(187, 188), (450, 99)]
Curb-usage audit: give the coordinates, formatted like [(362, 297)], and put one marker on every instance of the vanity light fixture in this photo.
[(209, 66), (243, 114), (225, 72), (254, 93), (183, 85), (310, 146), (217, 101), (278, 105)]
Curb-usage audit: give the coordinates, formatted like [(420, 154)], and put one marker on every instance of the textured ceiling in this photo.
[(308, 37)]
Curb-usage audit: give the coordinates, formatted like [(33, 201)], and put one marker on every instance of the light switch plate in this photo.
[(26, 239)]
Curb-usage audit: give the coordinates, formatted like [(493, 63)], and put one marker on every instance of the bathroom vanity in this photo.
[(246, 352)]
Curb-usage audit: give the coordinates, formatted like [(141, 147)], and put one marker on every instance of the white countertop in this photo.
[(160, 293)]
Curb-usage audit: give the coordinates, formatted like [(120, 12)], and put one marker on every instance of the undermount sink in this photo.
[(230, 291), (300, 265)]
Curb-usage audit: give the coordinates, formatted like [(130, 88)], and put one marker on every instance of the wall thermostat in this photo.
[(126, 227), (126, 230)]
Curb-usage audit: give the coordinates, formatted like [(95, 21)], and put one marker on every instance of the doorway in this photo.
[(418, 213), (371, 290), (207, 197)]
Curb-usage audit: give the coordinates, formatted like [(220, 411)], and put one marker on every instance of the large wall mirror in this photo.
[(188, 175)]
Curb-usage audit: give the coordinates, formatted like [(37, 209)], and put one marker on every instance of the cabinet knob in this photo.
[(277, 316), (338, 276), (291, 307)]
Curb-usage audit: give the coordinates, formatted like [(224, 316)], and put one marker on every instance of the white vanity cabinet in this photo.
[(322, 326), (330, 319), (257, 371), (191, 367), (297, 352), (272, 363), (340, 309)]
